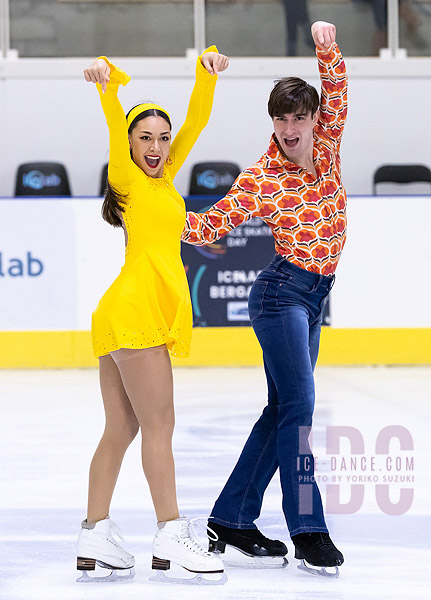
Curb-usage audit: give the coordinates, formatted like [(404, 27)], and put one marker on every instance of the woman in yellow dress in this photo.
[(144, 314)]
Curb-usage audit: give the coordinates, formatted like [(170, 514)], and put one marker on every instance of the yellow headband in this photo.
[(141, 108)]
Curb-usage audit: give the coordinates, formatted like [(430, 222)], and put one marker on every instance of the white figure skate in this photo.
[(97, 545), (175, 542)]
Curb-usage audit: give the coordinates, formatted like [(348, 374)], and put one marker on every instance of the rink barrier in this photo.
[(223, 346)]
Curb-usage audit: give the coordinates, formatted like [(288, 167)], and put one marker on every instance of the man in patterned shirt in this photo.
[(296, 189)]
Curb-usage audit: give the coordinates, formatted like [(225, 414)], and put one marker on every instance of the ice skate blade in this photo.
[(321, 571), (251, 561), (199, 579), (113, 576)]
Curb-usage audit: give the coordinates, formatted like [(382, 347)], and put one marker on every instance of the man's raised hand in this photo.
[(323, 34)]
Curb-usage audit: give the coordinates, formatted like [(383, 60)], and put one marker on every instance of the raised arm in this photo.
[(108, 78), (240, 205), (333, 77), (207, 68)]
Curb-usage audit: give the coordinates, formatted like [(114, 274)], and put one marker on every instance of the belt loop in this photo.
[(317, 284), (279, 260)]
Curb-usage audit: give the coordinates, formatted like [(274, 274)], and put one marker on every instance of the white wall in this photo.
[(48, 112), (382, 280)]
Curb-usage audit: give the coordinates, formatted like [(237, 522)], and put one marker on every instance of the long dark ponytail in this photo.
[(113, 204)]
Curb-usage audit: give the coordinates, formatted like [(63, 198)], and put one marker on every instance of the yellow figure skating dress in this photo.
[(149, 302)]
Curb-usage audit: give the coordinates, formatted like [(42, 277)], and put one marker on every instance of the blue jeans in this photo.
[(285, 307)]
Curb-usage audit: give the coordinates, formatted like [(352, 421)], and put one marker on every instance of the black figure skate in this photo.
[(317, 554), (251, 542)]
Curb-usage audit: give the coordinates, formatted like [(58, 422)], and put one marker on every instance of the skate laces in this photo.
[(322, 541), (214, 537), (319, 542), (327, 544), (190, 535)]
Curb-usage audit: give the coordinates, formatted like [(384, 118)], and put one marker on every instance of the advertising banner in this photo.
[(37, 265), (221, 274), (58, 257)]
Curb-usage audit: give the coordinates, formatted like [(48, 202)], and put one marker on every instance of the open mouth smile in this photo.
[(291, 142), (152, 161)]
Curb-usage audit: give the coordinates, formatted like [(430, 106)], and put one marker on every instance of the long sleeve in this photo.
[(119, 171), (241, 204), (333, 103), (198, 114)]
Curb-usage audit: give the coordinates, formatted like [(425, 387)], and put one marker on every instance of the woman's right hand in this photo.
[(98, 72)]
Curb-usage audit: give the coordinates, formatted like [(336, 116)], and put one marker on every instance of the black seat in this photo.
[(103, 180), (42, 179), (402, 179), (213, 178)]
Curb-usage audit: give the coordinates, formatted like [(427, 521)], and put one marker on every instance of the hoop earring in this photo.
[(169, 160)]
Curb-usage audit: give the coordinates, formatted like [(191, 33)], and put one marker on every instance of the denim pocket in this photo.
[(296, 282), (255, 300)]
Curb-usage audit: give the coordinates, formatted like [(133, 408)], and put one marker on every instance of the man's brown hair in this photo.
[(292, 95)]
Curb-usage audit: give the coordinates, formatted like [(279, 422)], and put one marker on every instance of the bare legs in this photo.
[(137, 391)]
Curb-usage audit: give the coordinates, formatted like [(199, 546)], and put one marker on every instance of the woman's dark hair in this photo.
[(290, 95), (114, 201), (113, 205), (151, 112)]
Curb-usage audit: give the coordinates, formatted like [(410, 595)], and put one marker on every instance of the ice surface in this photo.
[(50, 425)]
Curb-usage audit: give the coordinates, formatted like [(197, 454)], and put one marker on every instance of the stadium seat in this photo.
[(402, 179), (42, 179), (213, 178)]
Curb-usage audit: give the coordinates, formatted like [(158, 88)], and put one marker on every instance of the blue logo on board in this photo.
[(30, 266)]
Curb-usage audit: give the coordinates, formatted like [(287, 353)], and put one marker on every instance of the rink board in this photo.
[(222, 346), (57, 257)]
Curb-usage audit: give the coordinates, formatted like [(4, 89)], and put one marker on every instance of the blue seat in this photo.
[(103, 180)]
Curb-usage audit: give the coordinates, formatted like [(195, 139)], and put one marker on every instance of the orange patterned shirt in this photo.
[(307, 216)]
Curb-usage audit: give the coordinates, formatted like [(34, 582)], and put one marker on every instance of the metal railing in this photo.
[(199, 15), (4, 29)]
